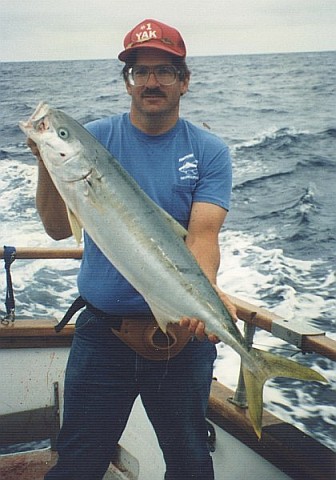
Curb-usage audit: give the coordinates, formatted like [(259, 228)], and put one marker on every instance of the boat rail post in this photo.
[(239, 397), (9, 257), (55, 418)]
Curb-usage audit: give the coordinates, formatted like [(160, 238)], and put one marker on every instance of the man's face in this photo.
[(153, 98)]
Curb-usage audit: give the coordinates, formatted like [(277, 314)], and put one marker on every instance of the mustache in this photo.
[(152, 91)]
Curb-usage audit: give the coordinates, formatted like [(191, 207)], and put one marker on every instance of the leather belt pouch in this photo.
[(145, 337)]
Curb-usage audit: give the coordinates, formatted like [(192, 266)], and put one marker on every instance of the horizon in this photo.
[(245, 54)]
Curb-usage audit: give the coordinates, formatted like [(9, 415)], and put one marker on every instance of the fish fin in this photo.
[(162, 317), (272, 366), (75, 225), (254, 394)]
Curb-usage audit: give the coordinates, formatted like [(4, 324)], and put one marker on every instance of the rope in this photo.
[(9, 257)]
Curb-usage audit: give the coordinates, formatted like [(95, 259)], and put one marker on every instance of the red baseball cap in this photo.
[(153, 34)]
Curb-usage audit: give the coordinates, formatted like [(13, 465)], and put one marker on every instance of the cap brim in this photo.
[(155, 46)]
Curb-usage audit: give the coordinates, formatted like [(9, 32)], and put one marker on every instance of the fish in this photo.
[(145, 244)]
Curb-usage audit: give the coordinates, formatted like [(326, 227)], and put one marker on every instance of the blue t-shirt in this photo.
[(182, 166)]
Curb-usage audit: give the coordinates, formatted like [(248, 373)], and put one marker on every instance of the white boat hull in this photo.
[(29, 375), (32, 362)]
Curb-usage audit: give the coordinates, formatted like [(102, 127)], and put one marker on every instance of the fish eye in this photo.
[(63, 133)]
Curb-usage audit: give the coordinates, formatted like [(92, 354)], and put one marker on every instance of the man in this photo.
[(187, 171)]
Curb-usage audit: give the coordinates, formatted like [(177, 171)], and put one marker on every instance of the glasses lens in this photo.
[(164, 74)]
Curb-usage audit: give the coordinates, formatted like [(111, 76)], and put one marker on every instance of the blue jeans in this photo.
[(103, 379)]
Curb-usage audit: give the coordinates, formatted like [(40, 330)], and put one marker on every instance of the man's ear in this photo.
[(128, 88), (184, 86)]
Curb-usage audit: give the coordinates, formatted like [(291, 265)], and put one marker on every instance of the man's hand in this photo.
[(196, 327), (33, 147), (228, 304)]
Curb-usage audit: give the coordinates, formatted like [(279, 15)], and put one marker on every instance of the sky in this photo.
[(84, 29)]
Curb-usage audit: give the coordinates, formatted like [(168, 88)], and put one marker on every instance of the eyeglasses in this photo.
[(165, 74)]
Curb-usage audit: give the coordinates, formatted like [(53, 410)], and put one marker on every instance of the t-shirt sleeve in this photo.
[(97, 129), (215, 175)]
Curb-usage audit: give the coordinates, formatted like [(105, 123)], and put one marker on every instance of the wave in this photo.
[(278, 138), (251, 182), (288, 286), (330, 132), (17, 192), (292, 289), (307, 204), (299, 209), (272, 137), (317, 161), (3, 154)]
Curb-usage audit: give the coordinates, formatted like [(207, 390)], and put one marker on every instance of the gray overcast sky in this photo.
[(82, 29)]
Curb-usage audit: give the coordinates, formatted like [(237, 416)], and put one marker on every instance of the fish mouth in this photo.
[(40, 112), (38, 122)]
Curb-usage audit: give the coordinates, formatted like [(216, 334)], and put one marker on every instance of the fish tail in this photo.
[(270, 366)]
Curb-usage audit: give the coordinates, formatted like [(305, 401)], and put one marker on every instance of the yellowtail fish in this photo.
[(144, 243)]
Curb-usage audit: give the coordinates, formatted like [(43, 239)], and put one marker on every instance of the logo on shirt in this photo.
[(188, 168)]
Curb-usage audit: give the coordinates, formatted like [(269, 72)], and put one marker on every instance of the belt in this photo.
[(140, 332), (80, 303)]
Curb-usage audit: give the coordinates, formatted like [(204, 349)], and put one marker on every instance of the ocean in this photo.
[(277, 114)]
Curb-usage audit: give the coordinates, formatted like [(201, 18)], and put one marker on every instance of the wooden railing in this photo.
[(307, 338)]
